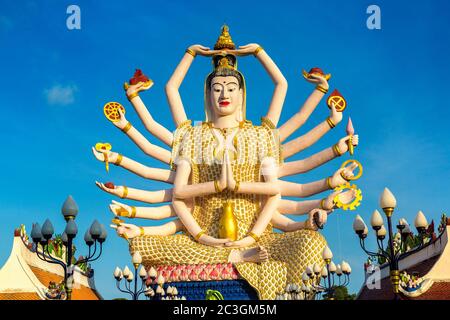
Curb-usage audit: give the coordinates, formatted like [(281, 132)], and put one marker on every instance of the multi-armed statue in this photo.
[(226, 175)]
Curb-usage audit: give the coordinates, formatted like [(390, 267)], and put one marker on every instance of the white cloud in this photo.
[(61, 95)]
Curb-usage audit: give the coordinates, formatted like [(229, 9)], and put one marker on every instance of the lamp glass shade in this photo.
[(136, 258), (324, 272), (377, 219), (64, 238), (305, 276), (332, 267), (130, 277), (358, 224), (381, 232), (95, 230), (69, 208), (117, 273), (36, 233), (71, 229), (327, 254), (142, 273), (317, 268), (338, 269), (366, 231), (387, 199), (88, 239), (103, 234), (419, 222), (126, 272), (309, 270), (47, 230)]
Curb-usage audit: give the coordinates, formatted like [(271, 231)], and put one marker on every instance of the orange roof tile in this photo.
[(80, 293), (19, 296)]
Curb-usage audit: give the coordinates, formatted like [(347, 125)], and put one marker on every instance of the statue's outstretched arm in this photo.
[(137, 194), (306, 110), (132, 231), (301, 143), (151, 213), (174, 83), (152, 126), (270, 187), (316, 160), (292, 189), (163, 175), (281, 85), (297, 207), (184, 190), (152, 150), (286, 224)]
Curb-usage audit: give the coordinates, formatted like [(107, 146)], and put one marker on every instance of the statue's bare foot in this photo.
[(258, 254)]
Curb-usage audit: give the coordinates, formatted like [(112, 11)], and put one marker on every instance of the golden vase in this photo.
[(228, 223)]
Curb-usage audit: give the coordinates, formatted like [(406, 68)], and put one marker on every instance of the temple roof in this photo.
[(25, 277), (431, 264)]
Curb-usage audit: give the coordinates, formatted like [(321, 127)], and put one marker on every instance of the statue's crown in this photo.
[(225, 60), (224, 41)]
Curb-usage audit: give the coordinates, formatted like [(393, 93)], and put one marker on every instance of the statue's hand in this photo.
[(117, 190), (245, 50), (339, 176), (316, 218), (111, 156), (231, 182), (122, 121), (211, 241), (120, 209), (335, 116), (244, 242), (138, 87), (203, 51), (343, 144), (318, 80), (344, 197), (127, 231)]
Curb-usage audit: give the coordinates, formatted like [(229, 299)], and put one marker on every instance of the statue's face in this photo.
[(226, 96)]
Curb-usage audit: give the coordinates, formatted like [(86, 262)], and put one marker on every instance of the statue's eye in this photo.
[(230, 89)]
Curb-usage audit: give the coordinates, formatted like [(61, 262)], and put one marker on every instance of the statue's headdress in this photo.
[(225, 63)]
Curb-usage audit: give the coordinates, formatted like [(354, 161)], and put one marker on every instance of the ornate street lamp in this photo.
[(322, 280), (387, 252), (126, 274), (94, 237)]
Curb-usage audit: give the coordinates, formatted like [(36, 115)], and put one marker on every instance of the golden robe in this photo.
[(289, 253)]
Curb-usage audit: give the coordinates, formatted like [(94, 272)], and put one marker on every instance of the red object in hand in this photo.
[(138, 77), (316, 70), (109, 185)]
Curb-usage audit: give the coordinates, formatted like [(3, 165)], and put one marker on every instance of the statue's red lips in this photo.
[(224, 103)]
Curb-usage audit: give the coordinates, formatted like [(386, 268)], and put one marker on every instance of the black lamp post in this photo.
[(94, 237), (126, 274), (391, 255)]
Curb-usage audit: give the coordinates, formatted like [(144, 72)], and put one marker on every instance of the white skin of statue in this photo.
[(227, 89)]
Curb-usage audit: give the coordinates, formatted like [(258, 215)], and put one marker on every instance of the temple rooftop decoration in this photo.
[(25, 277)]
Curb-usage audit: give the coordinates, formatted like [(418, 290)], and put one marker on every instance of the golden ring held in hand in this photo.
[(354, 177), (111, 111)]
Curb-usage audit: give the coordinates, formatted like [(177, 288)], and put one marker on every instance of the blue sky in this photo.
[(55, 81)]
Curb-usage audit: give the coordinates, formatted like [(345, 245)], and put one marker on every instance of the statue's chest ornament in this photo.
[(225, 140)]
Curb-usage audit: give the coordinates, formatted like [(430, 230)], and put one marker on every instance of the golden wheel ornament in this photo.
[(351, 205), (356, 177), (111, 111)]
